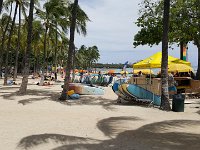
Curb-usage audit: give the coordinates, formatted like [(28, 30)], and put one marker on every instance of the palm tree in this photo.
[(1, 4), (53, 10), (9, 44), (23, 4), (23, 87), (64, 96), (5, 21), (165, 105), (37, 42), (18, 4), (4, 33), (18, 45)]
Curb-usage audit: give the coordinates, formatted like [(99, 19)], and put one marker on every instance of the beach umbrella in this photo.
[(154, 61), (179, 67), (83, 71), (111, 71), (76, 70)]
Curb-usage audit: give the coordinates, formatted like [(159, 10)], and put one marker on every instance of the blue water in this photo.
[(130, 70)]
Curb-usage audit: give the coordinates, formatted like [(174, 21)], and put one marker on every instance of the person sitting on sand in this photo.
[(44, 84)]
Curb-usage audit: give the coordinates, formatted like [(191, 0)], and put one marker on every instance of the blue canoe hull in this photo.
[(142, 93)]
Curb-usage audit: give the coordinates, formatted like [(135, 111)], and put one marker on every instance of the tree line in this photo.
[(50, 44), (168, 21)]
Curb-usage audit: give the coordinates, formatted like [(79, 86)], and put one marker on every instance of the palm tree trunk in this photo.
[(34, 60), (64, 96), (165, 105), (23, 87), (1, 4), (37, 61), (45, 48), (44, 56), (197, 42), (4, 38), (56, 51), (18, 45), (9, 45)]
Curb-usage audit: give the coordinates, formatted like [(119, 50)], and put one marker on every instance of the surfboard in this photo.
[(143, 94), (86, 90)]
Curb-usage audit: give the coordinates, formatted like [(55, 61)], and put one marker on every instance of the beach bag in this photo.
[(10, 82), (74, 96), (70, 92)]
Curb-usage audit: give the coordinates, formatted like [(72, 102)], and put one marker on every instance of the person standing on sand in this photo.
[(171, 82), (140, 74), (99, 79)]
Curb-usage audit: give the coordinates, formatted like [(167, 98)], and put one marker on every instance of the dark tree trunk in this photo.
[(197, 42), (181, 50), (73, 64), (45, 48), (44, 56), (34, 61), (9, 45), (37, 61), (23, 87), (1, 5), (165, 105), (56, 51), (70, 52), (18, 45), (3, 39)]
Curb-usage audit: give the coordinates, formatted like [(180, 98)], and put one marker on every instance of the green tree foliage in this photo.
[(57, 22), (86, 57), (184, 23)]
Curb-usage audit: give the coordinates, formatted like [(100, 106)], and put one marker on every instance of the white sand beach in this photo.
[(38, 121)]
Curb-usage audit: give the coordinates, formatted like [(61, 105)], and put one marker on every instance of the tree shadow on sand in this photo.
[(198, 112), (37, 140), (40, 95), (9, 87), (164, 135), (111, 126)]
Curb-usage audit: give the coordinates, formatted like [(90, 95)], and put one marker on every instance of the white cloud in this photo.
[(112, 29)]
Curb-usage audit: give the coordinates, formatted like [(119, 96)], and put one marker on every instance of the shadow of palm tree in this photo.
[(198, 112), (36, 140), (54, 96), (45, 93), (160, 135), (107, 104), (9, 87), (31, 100), (111, 126)]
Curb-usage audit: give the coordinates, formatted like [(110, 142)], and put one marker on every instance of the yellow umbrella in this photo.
[(144, 71), (172, 67), (154, 61)]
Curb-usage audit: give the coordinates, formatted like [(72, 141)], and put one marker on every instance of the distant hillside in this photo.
[(99, 65)]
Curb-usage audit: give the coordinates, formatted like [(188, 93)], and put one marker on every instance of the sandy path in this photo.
[(38, 121)]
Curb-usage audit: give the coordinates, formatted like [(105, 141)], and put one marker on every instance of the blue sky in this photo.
[(112, 30)]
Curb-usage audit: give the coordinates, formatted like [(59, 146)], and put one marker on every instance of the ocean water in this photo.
[(130, 70)]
